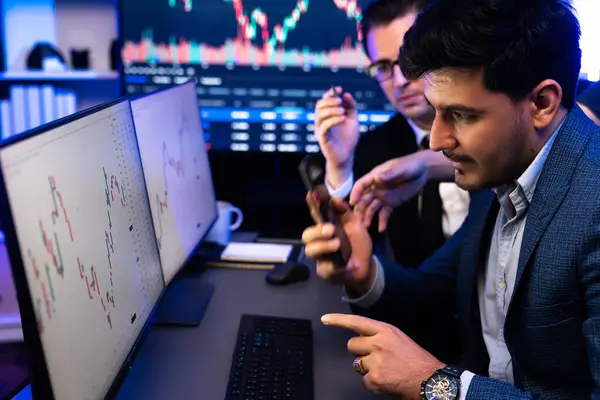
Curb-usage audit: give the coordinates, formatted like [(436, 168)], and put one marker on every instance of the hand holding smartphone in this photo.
[(313, 177)]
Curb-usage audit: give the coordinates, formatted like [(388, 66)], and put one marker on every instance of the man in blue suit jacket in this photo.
[(522, 275)]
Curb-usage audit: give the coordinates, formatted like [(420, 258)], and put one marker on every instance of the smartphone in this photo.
[(312, 174)]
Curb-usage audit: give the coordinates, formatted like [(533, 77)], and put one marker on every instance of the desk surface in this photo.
[(194, 363)]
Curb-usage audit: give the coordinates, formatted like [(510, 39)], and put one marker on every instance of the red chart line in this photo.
[(64, 210), (80, 268), (46, 300), (55, 213), (87, 283)]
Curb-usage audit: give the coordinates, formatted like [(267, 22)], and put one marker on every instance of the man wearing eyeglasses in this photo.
[(422, 223)]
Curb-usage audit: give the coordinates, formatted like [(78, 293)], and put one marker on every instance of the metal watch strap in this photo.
[(452, 371)]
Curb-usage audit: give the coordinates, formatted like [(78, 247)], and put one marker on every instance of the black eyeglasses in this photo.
[(381, 70)]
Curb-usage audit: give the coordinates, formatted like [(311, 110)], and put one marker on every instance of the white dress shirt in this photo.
[(455, 201), (496, 284)]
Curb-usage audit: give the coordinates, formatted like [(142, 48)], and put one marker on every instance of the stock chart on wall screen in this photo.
[(256, 43), (260, 66), (81, 213)]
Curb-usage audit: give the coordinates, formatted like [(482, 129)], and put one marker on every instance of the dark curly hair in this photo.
[(517, 43)]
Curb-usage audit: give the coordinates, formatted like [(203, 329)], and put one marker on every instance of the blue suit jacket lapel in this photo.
[(553, 183)]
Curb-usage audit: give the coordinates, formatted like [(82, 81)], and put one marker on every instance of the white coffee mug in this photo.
[(221, 231)]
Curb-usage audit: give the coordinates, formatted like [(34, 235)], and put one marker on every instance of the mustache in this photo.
[(459, 158)]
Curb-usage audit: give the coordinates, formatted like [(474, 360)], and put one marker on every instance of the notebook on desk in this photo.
[(261, 256), (257, 252)]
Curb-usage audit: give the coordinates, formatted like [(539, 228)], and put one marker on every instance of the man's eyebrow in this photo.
[(458, 107)]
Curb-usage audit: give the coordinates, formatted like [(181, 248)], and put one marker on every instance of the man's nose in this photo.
[(399, 79), (441, 137)]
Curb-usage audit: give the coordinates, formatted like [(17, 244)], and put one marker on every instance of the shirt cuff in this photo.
[(465, 382), (374, 293), (343, 191)]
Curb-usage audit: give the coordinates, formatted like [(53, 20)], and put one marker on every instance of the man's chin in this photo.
[(468, 181), (413, 112)]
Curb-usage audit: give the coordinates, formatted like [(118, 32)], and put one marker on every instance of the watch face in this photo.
[(441, 387)]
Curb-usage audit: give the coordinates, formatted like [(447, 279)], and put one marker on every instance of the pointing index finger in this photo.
[(361, 325)]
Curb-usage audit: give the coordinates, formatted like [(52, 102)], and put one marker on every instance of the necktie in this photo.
[(425, 142), (431, 232)]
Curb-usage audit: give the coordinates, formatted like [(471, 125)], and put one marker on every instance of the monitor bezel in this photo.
[(39, 375), (196, 248)]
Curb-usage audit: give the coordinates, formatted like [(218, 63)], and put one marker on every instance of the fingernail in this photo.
[(352, 265), (325, 319), (327, 229)]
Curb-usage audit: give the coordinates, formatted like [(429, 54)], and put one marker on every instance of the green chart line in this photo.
[(106, 190), (53, 192), (41, 225), (109, 220), (108, 253), (50, 282), (187, 4), (60, 259)]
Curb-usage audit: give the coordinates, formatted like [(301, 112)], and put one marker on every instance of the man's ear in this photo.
[(546, 100)]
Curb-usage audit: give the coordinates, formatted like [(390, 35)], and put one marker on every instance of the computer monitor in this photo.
[(177, 172), (81, 243), (259, 70)]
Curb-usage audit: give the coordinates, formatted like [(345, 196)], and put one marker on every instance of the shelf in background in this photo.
[(13, 76)]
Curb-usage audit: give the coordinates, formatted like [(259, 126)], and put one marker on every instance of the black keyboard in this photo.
[(272, 360)]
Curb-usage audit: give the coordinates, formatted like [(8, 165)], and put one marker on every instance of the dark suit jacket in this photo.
[(590, 98), (412, 239), (552, 327)]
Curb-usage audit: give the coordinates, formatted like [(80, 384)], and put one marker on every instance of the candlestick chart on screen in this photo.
[(179, 168), (284, 33), (54, 266), (172, 152), (173, 167), (82, 228)]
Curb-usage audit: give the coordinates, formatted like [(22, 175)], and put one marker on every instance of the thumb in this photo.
[(361, 186), (390, 175), (343, 210), (340, 206)]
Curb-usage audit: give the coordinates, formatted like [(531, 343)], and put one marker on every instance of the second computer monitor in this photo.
[(177, 172)]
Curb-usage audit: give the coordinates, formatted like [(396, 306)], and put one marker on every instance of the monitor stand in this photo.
[(184, 302)]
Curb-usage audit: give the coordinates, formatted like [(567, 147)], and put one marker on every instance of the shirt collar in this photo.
[(419, 132), (515, 198)]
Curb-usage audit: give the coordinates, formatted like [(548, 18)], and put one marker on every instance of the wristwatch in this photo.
[(444, 384)]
